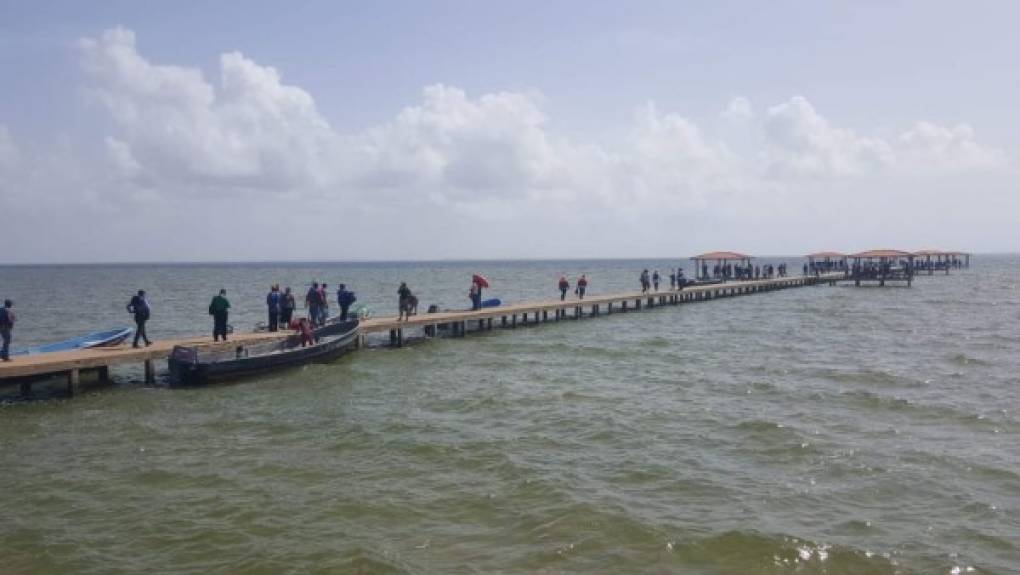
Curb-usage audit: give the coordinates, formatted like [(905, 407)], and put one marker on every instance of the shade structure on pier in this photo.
[(941, 260), (882, 266), (720, 259), (819, 262)]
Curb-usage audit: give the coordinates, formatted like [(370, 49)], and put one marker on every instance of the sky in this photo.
[(308, 131)]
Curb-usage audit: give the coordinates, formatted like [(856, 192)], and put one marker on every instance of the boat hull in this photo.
[(106, 338), (189, 367)]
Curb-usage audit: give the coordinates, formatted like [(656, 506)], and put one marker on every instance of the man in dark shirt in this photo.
[(344, 298), (274, 302), (139, 306), (218, 309), (7, 320)]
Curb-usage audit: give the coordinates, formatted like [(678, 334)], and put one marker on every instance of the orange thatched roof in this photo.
[(817, 255), (953, 253), (722, 256), (882, 254), (931, 253)]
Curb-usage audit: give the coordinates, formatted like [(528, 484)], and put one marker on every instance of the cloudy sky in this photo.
[(185, 131)]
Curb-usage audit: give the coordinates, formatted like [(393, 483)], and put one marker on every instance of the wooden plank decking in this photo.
[(71, 362)]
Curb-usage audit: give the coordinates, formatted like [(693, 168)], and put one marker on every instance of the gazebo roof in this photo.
[(931, 253), (826, 255), (956, 253), (882, 254), (722, 256)]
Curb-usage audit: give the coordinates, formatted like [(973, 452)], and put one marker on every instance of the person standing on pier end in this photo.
[(680, 280), (564, 286), (645, 283), (672, 280), (274, 303), (287, 305), (312, 303), (344, 298), (475, 295), (404, 296), (582, 285), (218, 309), (7, 320), (655, 280), (139, 306)]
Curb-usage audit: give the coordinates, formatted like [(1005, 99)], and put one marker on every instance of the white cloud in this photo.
[(739, 109), (250, 132), (801, 142), (184, 145), (930, 148)]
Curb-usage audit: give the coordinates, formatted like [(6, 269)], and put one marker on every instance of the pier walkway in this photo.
[(456, 323)]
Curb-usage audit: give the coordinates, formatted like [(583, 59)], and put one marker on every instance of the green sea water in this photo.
[(811, 430)]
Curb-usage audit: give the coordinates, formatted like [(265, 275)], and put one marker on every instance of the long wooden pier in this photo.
[(456, 323)]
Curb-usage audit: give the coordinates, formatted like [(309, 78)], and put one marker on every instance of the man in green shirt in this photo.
[(218, 309)]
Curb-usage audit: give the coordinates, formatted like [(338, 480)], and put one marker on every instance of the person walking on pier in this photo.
[(582, 285), (218, 309), (680, 280), (672, 280), (406, 302), (655, 280), (344, 298), (287, 305), (645, 283), (7, 320), (139, 306), (274, 303), (564, 286)]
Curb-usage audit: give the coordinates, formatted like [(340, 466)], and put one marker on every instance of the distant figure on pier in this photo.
[(680, 280), (274, 303), (757, 271), (704, 271), (345, 299), (672, 280), (7, 320), (407, 304), (139, 306), (645, 282), (218, 309), (475, 295), (582, 285), (655, 280), (323, 304), (564, 286), (312, 303), (287, 305)]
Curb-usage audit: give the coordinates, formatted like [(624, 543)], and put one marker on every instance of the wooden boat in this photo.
[(108, 338), (192, 366)]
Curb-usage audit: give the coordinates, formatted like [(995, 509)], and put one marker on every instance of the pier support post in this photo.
[(72, 382), (545, 315), (609, 308), (488, 324), (513, 322), (150, 371), (503, 321), (26, 388), (104, 374)]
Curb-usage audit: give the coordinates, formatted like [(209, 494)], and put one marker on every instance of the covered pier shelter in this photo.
[(955, 261), (719, 266), (882, 267), (932, 260), (826, 262)]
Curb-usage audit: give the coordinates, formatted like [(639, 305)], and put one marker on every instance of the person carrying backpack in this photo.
[(139, 307), (344, 298)]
